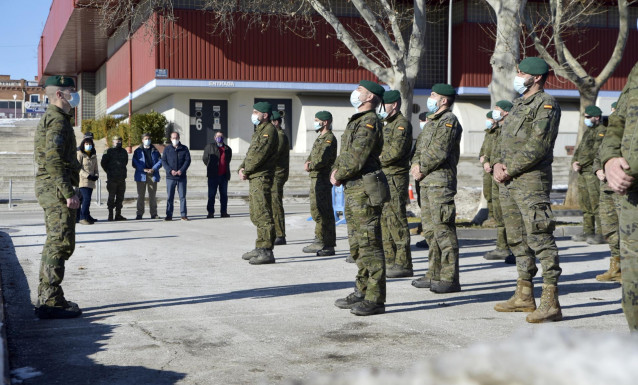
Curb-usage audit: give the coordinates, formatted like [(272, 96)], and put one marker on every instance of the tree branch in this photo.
[(621, 42), (379, 32)]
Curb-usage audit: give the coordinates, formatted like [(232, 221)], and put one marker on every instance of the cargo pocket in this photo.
[(447, 213), (542, 219)]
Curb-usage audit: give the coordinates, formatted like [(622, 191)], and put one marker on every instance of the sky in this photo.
[(20, 30)]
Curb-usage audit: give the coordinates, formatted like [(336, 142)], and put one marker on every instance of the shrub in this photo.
[(152, 122)]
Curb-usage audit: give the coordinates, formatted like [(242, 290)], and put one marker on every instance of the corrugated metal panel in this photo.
[(59, 15), (117, 75)]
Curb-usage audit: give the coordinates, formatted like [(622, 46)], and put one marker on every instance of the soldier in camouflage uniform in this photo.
[(588, 183), (282, 168), (502, 251), (488, 140), (620, 159), (523, 164), (434, 166), (395, 162), (259, 169), (58, 172), (319, 164), (361, 146), (114, 162)]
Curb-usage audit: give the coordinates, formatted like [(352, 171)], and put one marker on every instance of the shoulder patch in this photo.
[(266, 135), (448, 125), (328, 141), (601, 134), (548, 106), (370, 126), (401, 128)]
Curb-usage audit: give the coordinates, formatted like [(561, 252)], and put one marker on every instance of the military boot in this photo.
[(596, 239), (350, 259), (424, 282), (422, 244), (613, 274), (247, 256), (70, 310), (313, 247), (264, 257), (326, 251), (110, 215), (118, 216), (366, 307), (510, 259), (350, 300), (582, 237), (279, 241), (549, 308), (522, 300), (443, 287), (497, 254), (397, 271)]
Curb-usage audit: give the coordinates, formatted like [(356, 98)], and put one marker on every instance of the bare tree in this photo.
[(549, 29)]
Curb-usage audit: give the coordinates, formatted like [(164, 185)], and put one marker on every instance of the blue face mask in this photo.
[(421, 124), (589, 123), (519, 85), (496, 115), (432, 107), (317, 126), (75, 99), (354, 99), (88, 147), (488, 124), (255, 119)]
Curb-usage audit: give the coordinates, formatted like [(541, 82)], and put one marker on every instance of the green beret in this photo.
[(489, 115), (444, 89), (391, 96), (117, 137), (533, 66), (59, 81), (276, 115), (505, 105), (593, 111), (614, 104), (373, 87), (263, 107), (323, 115)]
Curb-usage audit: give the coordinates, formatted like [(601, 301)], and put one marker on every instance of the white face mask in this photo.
[(255, 119), (519, 85), (354, 99), (496, 115), (588, 122), (175, 142), (147, 142), (421, 124), (88, 147), (317, 126), (432, 105)]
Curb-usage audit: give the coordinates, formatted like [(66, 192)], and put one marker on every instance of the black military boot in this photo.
[(264, 257), (442, 287), (71, 310), (279, 241), (326, 251), (110, 215), (118, 216), (247, 256), (366, 307), (422, 244), (350, 300)]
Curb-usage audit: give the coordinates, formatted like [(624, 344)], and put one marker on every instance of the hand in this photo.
[(415, 171), (617, 178), (601, 175), (306, 166), (576, 166), (73, 202), (149, 171), (173, 172), (500, 173), (482, 159), (242, 176), (333, 180), (487, 168), (179, 173)]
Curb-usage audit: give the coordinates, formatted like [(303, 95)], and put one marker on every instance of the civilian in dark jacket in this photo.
[(147, 162), (175, 160), (217, 157)]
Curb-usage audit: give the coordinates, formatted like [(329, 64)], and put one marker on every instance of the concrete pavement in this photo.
[(174, 303)]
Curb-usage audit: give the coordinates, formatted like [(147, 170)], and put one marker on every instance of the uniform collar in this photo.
[(392, 118), (59, 110)]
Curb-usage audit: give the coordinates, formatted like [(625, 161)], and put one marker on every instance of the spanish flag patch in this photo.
[(266, 135), (327, 141), (401, 128), (548, 106), (601, 134), (370, 126), (448, 125)]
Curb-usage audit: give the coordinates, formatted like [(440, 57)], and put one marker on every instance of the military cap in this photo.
[(276, 115), (146, 134), (323, 115), (263, 107), (533, 66), (505, 105), (59, 81), (117, 137), (88, 135), (614, 104), (373, 87), (593, 111), (444, 89), (423, 116), (391, 96), (489, 115)]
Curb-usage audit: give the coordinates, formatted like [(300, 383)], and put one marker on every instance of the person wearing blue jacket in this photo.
[(147, 162), (176, 159)]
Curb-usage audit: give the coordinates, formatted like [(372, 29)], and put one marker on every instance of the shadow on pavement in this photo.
[(61, 349), (104, 240)]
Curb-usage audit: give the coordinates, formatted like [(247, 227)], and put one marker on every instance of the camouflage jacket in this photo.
[(437, 150), (397, 143), (597, 164), (323, 154), (528, 135), (489, 141), (588, 148), (282, 167), (261, 157), (54, 150), (622, 132), (361, 145), (114, 163)]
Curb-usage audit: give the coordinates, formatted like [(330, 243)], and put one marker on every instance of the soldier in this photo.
[(618, 156), (57, 173), (358, 168), (502, 251), (588, 183), (422, 244), (259, 169), (434, 167), (490, 128), (319, 163), (114, 162), (523, 164), (395, 163), (282, 168)]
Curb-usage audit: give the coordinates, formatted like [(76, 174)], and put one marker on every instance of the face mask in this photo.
[(219, 139), (496, 115), (589, 123), (88, 147), (354, 99), (432, 107), (519, 85), (118, 145), (75, 99), (317, 126), (255, 119), (175, 142), (488, 124), (421, 124), (147, 142)]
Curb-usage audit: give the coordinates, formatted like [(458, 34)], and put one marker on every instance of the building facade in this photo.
[(21, 98)]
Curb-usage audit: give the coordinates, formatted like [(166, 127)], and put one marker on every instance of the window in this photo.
[(34, 98)]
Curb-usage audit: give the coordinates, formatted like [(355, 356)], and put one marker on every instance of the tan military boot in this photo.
[(613, 274), (549, 308), (522, 300)]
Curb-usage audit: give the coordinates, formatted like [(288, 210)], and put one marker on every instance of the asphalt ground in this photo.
[(174, 303)]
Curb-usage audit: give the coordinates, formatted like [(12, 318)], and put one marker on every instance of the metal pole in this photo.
[(449, 45), (98, 196), (10, 194)]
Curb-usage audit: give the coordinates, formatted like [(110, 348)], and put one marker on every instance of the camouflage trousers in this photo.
[(260, 205), (608, 208), (116, 189), (438, 215), (487, 193), (629, 257), (528, 195), (394, 223), (364, 236), (501, 233), (321, 210), (58, 247), (278, 215), (589, 195)]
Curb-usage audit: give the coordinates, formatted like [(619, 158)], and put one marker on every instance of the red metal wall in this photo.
[(59, 15), (472, 40)]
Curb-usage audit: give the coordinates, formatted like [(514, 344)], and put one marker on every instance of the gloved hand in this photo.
[(93, 177)]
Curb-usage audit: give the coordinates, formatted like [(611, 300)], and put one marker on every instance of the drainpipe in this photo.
[(449, 45)]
